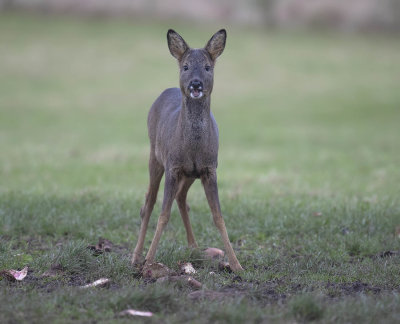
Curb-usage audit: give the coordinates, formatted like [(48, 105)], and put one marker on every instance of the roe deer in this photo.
[(184, 143)]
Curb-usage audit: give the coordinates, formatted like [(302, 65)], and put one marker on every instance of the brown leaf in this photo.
[(14, 275), (213, 253), (194, 283), (224, 266), (155, 270), (187, 268), (133, 312), (103, 245)]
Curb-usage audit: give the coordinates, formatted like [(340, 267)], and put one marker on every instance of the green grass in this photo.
[(308, 173)]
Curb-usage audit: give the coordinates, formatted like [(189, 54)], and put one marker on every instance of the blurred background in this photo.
[(340, 14), (306, 93)]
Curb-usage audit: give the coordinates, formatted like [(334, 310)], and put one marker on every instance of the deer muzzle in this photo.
[(196, 89)]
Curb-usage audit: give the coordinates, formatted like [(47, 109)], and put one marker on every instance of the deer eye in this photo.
[(208, 68), (185, 68)]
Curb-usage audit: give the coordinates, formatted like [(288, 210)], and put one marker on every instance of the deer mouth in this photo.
[(196, 92)]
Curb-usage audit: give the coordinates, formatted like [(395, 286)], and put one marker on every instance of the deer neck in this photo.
[(195, 118)]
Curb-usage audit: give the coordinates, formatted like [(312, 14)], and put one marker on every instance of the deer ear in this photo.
[(176, 44), (216, 44)]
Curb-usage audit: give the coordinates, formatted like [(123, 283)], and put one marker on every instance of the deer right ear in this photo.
[(216, 44), (176, 44)]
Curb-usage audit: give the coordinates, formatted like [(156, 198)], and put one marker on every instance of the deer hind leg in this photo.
[(170, 190), (156, 171), (211, 190), (181, 196)]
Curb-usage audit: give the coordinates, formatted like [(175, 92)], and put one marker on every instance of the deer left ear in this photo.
[(176, 44), (216, 44)]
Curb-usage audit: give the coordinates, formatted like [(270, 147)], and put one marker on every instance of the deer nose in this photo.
[(196, 84)]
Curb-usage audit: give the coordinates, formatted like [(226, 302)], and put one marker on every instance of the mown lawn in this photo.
[(308, 173)]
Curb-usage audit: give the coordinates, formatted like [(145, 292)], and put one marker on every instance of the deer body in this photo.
[(184, 134), (184, 143)]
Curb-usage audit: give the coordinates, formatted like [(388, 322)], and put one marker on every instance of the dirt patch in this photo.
[(351, 288), (46, 284), (279, 290), (263, 292)]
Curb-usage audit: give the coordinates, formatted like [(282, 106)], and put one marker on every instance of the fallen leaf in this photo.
[(19, 275), (105, 244), (102, 246), (133, 312), (102, 282), (14, 275), (213, 253), (182, 279), (156, 270), (224, 266), (187, 268), (194, 283)]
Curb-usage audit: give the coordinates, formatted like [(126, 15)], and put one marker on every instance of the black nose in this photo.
[(196, 84)]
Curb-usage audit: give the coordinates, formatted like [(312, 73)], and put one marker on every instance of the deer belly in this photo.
[(196, 169)]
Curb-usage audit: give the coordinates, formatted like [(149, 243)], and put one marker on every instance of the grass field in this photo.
[(308, 173)]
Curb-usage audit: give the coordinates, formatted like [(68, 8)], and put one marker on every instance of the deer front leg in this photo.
[(170, 189), (211, 190)]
